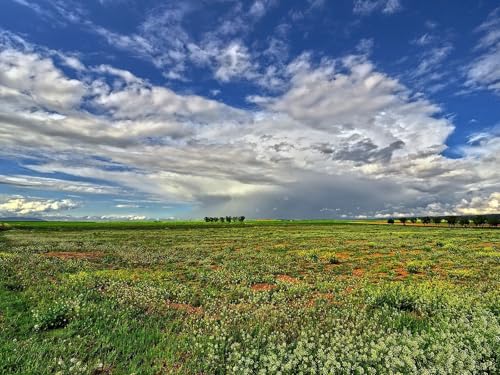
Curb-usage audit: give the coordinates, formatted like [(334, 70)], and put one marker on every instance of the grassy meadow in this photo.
[(255, 298)]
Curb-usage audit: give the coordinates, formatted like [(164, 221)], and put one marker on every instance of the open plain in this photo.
[(260, 297)]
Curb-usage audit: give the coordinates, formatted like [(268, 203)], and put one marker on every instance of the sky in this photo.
[(131, 110)]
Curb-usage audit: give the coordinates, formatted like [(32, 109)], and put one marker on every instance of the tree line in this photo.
[(225, 219), (477, 220)]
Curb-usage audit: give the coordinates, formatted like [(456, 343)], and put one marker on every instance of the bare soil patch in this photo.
[(358, 272), (263, 287), (190, 309), (342, 255), (287, 279), (401, 273)]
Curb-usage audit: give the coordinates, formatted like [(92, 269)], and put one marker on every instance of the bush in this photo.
[(390, 221), (418, 266), (493, 221), (423, 299), (334, 260), (464, 221), (55, 316), (4, 226)]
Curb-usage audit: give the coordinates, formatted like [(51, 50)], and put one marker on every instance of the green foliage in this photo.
[(494, 221), (56, 315), (425, 220), (463, 221), (333, 260), (437, 220), (451, 220)]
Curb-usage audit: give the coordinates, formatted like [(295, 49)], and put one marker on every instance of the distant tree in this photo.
[(413, 220), (216, 219), (493, 221), (479, 220), (437, 220), (402, 220), (228, 219), (221, 219), (452, 220), (241, 219), (464, 221), (425, 220), (207, 219), (390, 221), (235, 219)]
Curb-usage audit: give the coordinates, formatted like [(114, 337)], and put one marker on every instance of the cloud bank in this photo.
[(339, 134)]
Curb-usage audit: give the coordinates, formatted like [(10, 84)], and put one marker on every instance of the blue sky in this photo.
[(122, 109)]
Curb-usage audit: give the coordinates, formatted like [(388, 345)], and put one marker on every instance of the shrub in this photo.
[(437, 220), (493, 221), (417, 266), (423, 299), (464, 221), (4, 226), (390, 221), (57, 315), (452, 220), (425, 220), (334, 260)]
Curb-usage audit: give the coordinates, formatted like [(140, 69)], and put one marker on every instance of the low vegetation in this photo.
[(259, 298)]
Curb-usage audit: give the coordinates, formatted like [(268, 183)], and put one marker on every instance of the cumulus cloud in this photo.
[(341, 134), (25, 206), (22, 73)]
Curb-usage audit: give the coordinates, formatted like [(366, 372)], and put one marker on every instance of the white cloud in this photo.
[(28, 72), (233, 61), (480, 205), (366, 7), (342, 134), (24, 206), (163, 40), (44, 183), (484, 71)]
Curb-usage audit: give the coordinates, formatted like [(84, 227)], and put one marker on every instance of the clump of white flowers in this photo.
[(400, 330)]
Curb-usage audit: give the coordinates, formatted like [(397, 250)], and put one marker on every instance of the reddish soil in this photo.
[(263, 287), (287, 279), (74, 255), (342, 255), (184, 307), (358, 272), (348, 290), (401, 273)]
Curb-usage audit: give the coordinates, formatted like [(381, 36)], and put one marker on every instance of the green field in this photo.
[(257, 298)]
